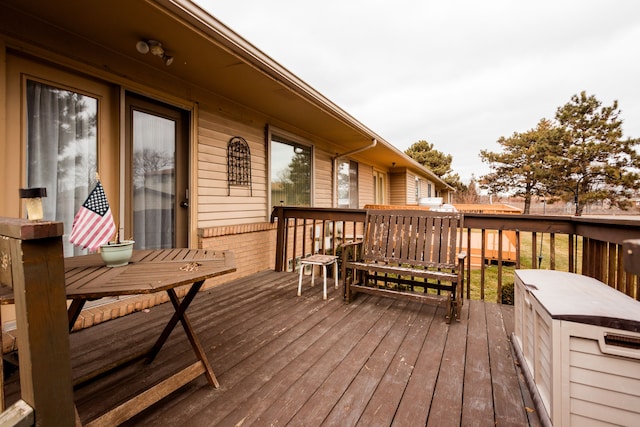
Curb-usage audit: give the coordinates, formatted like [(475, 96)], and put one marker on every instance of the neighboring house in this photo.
[(151, 94)]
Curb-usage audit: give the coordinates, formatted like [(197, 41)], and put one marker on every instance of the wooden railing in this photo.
[(32, 264), (496, 241)]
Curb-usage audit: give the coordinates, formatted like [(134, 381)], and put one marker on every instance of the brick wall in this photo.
[(253, 246)]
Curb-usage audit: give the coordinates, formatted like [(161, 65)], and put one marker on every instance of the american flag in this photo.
[(93, 225)]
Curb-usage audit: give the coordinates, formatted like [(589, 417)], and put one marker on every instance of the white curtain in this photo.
[(61, 151), (154, 147)]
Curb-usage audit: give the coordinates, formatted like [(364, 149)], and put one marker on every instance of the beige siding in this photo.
[(365, 185), (322, 181), (216, 205), (398, 189), (424, 188)]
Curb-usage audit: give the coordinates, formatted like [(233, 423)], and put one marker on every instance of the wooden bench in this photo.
[(408, 253)]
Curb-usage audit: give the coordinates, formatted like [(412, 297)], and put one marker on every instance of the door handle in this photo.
[(184, 204)]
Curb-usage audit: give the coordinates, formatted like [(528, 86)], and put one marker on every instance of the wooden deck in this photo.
[(302, 361)]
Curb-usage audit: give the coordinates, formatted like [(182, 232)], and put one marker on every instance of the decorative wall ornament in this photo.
[(5, 261), (238, 164)]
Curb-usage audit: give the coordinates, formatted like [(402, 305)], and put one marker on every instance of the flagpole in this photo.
[(117, 236)]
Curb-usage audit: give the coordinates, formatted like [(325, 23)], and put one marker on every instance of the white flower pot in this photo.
[(117, 254)]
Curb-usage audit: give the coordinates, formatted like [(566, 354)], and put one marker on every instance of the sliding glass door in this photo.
[(156, 174)]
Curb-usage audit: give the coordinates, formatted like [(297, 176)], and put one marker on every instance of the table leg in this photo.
[(195, 342), (180, 315), (74, 311), (174, 319)]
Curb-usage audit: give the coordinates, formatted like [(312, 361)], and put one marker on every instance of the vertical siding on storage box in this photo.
[(578, 341)]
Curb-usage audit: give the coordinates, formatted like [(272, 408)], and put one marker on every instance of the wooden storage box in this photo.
[(578, 342)]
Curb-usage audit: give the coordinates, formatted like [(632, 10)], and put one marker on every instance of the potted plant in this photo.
[(117, 253)]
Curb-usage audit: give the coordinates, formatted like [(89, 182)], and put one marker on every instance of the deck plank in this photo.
[(341, 341), (414, 408), (446, 405), (477, 406), (384, 403), (320, 344), (509, 408), (355, 399), (301, 361), (508, 321)]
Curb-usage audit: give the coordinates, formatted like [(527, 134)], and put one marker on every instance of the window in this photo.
[(347, 184), (291, 168), (417, 189), (62, 146), (429, 186)]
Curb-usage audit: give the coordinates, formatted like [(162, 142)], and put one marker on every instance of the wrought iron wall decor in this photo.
[(238, 164)]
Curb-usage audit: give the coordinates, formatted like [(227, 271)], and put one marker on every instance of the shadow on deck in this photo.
[(288, 360)]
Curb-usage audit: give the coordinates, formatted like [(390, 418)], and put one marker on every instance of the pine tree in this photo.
[(519, 170), (592, 162)]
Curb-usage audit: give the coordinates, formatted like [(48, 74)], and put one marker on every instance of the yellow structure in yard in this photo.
[(491, 238)]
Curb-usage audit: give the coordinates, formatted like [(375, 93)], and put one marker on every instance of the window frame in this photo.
[(352, 183), (284, 137), (379, 187), (20, 69)]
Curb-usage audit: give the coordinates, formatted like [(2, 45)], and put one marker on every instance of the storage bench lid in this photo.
[(581, 299)]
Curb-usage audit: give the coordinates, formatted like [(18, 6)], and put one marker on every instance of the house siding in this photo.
[(323, 182), (365, 185), (398, 187), (217, 204)]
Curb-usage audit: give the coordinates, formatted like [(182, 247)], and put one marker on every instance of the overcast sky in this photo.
[(457, 73)]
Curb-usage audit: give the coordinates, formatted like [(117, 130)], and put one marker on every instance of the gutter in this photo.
[(374, 142), (334, 166)]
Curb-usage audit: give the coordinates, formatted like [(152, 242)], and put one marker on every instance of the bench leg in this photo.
[(335, 274), (454, 306)]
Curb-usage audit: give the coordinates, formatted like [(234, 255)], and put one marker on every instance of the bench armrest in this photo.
[(350, 250), (351, 243), (462, 255)]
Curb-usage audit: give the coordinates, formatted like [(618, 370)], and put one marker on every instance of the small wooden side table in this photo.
[(321, 260)]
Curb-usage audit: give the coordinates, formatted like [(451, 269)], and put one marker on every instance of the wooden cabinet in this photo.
[(578, 343)]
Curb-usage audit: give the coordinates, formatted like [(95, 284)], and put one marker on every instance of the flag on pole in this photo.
[(93, 225)]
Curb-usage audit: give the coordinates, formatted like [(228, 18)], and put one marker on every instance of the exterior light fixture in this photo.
[(155, 47), (142, 47), (33, 200)]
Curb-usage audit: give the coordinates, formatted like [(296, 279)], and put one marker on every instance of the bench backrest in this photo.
[(410, 236)]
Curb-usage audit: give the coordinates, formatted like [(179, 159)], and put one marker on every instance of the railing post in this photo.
[(32, 263), (281, 244)]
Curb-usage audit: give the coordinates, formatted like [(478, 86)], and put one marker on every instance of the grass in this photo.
[(526, 260)]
